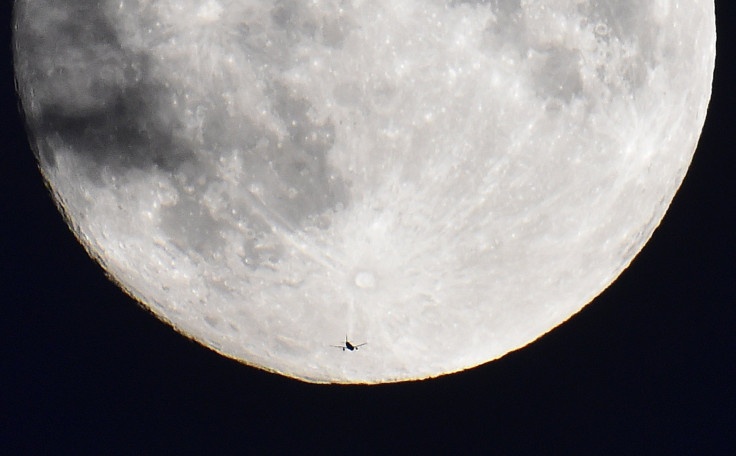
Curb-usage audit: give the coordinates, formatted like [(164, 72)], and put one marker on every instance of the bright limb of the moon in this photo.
[(445, 180)]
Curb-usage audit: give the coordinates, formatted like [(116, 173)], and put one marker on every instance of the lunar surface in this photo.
[(442, 180)]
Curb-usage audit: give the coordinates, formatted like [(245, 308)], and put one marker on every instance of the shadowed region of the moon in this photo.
[(557, 65), (623, 17), (131, 129), (624, 21), (559, 76), (500, 6), (92, 96)]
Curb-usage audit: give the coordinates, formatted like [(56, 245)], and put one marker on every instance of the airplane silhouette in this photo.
[(349, 346)]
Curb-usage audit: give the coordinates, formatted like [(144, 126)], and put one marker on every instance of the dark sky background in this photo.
[(648, 368)]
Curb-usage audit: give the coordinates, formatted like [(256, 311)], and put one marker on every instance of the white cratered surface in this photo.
[(445, 180)]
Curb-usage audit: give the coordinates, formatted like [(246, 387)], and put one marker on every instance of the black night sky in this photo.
[(648, 368)]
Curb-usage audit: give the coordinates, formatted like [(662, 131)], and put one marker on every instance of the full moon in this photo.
[(444, 181)]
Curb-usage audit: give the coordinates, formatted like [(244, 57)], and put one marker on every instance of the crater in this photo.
[(365, 279)]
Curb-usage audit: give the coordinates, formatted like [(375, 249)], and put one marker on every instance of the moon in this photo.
[(444, 181)]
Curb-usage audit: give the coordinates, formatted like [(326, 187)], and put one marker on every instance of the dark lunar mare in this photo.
[(84, 93)]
